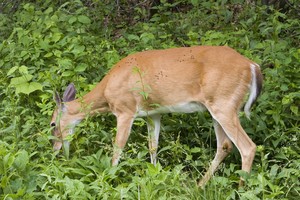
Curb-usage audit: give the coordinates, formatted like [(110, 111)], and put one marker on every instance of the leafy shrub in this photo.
[(49, 44)]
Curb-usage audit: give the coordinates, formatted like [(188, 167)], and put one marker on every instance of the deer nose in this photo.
[(57, 145)]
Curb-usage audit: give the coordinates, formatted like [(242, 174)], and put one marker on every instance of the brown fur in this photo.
[(216, 77)]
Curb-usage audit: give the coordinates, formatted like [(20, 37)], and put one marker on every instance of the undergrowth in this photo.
[(46, 45)]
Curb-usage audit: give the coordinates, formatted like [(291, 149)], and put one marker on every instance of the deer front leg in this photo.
[(153, 125), (124, 124)]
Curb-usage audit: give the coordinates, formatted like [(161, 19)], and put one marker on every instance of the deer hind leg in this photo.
[(124, 124), (224, 147), (153, 124), (230, 123)]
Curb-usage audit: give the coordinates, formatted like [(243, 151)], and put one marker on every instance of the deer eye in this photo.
[(52, 124)]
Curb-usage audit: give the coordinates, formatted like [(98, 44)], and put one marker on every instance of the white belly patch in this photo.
[(187, 107)]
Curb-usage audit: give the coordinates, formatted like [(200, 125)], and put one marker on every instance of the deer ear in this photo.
[(70, 93), (57, 99)]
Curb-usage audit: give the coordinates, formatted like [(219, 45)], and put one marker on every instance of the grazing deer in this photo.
[(184, 80)]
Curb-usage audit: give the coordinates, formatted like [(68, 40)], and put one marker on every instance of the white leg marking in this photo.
[(153, 124)]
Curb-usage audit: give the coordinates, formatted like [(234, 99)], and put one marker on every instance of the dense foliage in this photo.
[(46, 45)]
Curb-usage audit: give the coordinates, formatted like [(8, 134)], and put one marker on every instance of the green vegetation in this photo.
[(46, 45)]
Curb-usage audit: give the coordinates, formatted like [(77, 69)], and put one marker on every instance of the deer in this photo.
[(150, 83)]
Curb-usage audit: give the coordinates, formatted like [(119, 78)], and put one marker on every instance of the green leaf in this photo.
[(23, 69), (274, 171), (78, 49), (195, 150), (66, 149), (65, 63), (133, 37), (84, 19), (12, 70), (23, 53), (153, 170), (28, 88), (294, 109), (48, 55), (21, 160), (195, 2), (56, 37), (57, 53), (25, 40), (67, 73), (72, 20), (81, 67), (22, 84), (286, 100), (49, 10), (21, 80), (44, 44), (8, 160)]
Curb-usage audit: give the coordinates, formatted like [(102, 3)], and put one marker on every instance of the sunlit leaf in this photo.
[(27, 88), (21, 80), (23, 69), (12, 70)]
